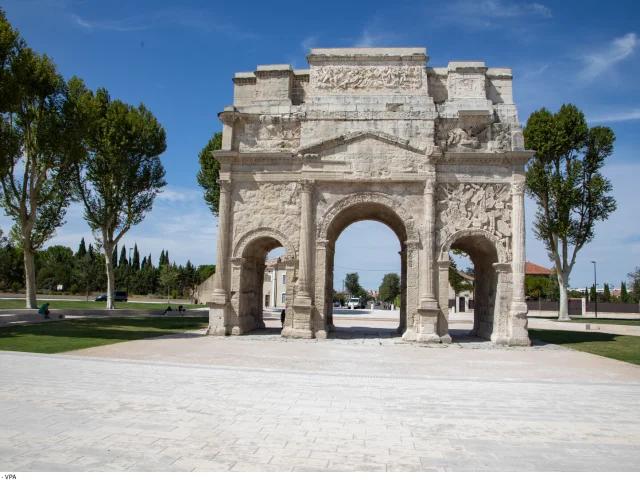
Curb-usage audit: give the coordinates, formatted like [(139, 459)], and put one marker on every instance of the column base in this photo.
[(301, 322), (218, 313), (428, 326), (518, 325), (409, 335), (428, 338), (321, 334)]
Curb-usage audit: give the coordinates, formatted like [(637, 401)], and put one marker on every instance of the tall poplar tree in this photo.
[(42, 129), (122, 174), (565, 181)]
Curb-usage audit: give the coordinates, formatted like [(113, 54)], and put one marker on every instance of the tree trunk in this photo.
[(563, 311), (111, 277), (30, 276)]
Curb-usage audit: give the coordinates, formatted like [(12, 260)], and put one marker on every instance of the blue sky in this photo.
[(178, 58)]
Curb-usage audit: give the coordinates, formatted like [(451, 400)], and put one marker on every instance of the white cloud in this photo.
[(172, 194), (487, 14), (620, 116), (125, 25), (604, 60), (308, 43)]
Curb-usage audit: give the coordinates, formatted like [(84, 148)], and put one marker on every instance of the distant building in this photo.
[(536, 270), (274, 290)]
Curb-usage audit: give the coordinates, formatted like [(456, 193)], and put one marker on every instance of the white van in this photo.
[(354, 302)]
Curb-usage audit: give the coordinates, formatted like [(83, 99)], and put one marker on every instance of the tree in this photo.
[(167, 278), (122, 173), (136, 258), (161, 261), (123, 262), (42, 128), (352, 284), (55, 267), (634, 282), (205, 271), (86, 273), (606, 296), (593, 294), (210, 172), (457, 281), (389, 288), (624, 295), (564, 180), (82, 249), (536, 287)]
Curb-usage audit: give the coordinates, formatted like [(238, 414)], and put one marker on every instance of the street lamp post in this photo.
[(595, 286)]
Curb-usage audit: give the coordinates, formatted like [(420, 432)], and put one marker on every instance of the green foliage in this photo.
[(205, 271), (136, 258), (82, 249), (624, 294), (552, 294), (209, 173), (634, 283), (74, 289), (352, 284), (389, 288), (565, 181), (87, 273), (55, 268), (457, 281), (593, 294), (536, 287), (606, 296), (338, 297), (15, 287), (168, 277)]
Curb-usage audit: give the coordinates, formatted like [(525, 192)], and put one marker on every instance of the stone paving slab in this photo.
[(160, 416)]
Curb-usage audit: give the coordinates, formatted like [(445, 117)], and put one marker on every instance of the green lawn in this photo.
[(63, 336), (62, 304), (618, 347)]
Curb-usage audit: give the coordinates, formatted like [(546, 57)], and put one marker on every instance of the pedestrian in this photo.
[(168, 309), (44, 309), (282, 317), (181, 309)]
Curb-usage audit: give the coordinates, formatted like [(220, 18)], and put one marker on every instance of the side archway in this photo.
[(491, 279), (248, 276)]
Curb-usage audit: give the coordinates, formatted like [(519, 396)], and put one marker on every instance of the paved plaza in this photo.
[(361, 401)]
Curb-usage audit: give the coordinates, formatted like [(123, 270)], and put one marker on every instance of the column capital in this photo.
[(307, 185), (430, 186), (225, 185), (517, 188), (443, 264)]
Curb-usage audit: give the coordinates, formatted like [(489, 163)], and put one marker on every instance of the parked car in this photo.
[(355, 302), (118, 296)]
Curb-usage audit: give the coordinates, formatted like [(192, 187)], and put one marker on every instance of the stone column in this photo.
[(443, 301), (517, 330), (428, 291), (219, 302), (222, 254), (303, 297), (427, 330), (499, 328), (402, 327), (303, 304)]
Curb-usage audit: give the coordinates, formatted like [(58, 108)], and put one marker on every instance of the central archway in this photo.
[(351, 209)]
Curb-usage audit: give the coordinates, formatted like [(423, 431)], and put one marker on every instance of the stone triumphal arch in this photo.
[(436, 154)]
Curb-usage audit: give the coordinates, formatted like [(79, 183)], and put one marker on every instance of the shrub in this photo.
[(74, 289), (15, 287), (174, 293)]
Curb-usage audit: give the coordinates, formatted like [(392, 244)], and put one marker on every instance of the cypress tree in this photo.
[(593, 294), (624, 295), (144, 263), (161, 262), (136, 258), (82, 249), (123, 256)]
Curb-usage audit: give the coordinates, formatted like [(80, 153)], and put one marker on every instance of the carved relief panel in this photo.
[(346, 79), (271, 132), (474, 133), (462, 206)]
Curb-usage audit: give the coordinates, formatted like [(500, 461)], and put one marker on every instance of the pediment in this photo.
[(344, 142)]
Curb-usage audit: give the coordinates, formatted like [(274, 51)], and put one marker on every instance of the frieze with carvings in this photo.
[(473, 134), (345, 79), (271, 132), (466, 206)]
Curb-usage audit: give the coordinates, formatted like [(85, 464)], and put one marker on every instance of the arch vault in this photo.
[(436, 154)]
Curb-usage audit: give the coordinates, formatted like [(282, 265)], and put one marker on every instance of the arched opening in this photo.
[(264, 272), (351, 214), (473, 293)]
